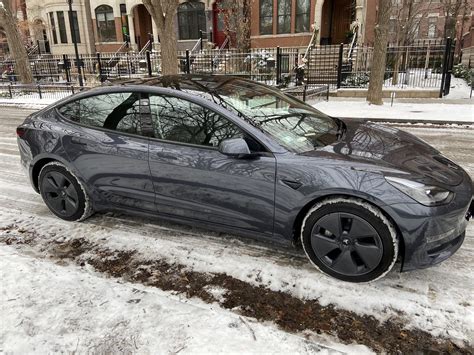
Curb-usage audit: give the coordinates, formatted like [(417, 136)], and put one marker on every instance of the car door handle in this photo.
[(78, 141), (167, 156)]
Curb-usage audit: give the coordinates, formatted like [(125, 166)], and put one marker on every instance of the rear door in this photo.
[(192, 179), (108, 148)]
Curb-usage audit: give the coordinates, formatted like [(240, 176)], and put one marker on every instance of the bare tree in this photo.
[(164, 13), (374, 94), (407, 15), (9, 23), (452, 9), (237, 22)]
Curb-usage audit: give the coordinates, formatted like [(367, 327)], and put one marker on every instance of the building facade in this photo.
[(113, 25)]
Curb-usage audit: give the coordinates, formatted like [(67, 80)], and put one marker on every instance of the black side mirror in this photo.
[(236, 148)]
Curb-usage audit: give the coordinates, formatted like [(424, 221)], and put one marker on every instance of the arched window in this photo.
[(104, 16), (191, 19)]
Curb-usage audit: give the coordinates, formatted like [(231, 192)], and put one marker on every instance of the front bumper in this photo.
[(433, 234)]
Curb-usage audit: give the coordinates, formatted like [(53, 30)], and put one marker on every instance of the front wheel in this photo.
[(349, 239), (63, 193)]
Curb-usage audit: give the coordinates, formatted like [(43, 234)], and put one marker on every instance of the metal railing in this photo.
[(422, 66), (37, 92)]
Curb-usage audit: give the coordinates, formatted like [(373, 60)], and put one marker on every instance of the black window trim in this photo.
[(267, 151)]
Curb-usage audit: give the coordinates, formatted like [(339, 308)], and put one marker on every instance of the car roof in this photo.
[(199, 82)]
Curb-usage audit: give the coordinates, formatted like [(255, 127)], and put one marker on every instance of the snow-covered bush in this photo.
[(462, 71)]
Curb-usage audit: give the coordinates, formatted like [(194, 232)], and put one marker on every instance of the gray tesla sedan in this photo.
[(229, 153)]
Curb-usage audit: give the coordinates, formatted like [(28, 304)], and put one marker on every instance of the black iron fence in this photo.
[(424, 66), (37, 91)]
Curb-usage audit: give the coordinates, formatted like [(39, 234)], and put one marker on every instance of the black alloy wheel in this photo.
[(346, 243), (62, 193), (349, 239)]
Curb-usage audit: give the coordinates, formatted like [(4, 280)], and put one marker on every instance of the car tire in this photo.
[(349, 239), (63, 193)]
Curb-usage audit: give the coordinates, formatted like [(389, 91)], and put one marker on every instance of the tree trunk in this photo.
[(163, 13), (169, 48), (15, 45), (374, 94)]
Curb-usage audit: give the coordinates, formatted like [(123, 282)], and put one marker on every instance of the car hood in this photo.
[(391, 151)]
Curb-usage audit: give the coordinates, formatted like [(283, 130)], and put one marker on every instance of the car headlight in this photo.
[(427, 195)]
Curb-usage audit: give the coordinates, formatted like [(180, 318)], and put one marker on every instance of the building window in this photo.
[(75, 25), (53, 27), (62, 27), (104, 16), (266, 17), (191, 20), (302, 15), (432, 24), (284, 16)]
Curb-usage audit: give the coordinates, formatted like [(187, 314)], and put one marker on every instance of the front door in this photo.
[(218, 24), (107, 148), (193, 180)]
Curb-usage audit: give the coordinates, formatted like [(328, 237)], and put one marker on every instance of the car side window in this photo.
[(115, 111), (179, 120)]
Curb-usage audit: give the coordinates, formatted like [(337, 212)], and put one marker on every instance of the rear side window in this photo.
[(179, 120), (115, 111)]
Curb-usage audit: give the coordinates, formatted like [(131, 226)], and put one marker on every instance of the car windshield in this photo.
[(296, 126)]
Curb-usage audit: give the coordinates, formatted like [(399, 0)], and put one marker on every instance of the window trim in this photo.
[(299, 14), (191, 10), (289, 16), (109, 9), (62, 27), (217, 113), (260, 17), (56, 109), (267, 151)]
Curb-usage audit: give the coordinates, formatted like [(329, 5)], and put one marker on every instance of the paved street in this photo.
[(436, 300)]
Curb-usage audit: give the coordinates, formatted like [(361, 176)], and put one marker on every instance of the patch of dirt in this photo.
[(289, 313)]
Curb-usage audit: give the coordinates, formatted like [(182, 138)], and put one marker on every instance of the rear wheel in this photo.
[(63, 193), (349, 239)]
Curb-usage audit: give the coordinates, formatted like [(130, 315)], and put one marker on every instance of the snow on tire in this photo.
[(349, 239), (80, 208)]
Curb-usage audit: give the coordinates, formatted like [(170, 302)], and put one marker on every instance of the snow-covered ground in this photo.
[(459, 89), (46, 308), (420, 112), (50, 307)]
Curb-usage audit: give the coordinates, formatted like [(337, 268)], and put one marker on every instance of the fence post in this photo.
[(66, 68), (200, 36), (10, 90), (278, 65), (339, 66), (39, 91), (99, 67), (449, 69), (447, 51), (148, 62), (188, 65)]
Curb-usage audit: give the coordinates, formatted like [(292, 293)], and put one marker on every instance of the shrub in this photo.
[(463, 72)]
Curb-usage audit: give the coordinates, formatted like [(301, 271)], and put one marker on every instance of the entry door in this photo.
[(193, 180), (218, 24), (107, 148)]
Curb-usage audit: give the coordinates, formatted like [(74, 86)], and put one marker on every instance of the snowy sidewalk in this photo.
[(401, 112)]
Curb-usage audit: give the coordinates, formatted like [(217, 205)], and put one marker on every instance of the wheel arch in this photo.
[(41, 161), (297, 224)]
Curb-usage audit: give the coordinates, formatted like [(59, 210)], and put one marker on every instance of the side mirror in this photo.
[(236, 148)]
